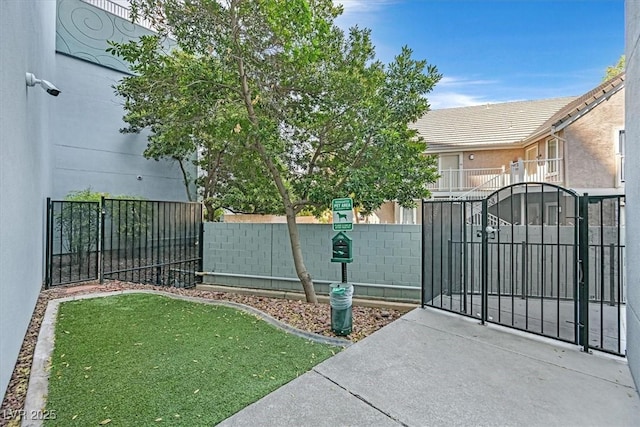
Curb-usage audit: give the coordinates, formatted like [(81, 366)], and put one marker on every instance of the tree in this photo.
[(614, 70), (291, 96)]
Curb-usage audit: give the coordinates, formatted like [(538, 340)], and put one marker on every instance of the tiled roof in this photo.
[(486, 125), (579, 106)]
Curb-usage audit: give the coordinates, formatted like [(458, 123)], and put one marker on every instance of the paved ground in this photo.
[(432, 368), (607, 324)]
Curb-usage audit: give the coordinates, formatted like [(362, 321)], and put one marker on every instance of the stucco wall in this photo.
[(632, 13), (491, 159), (386, 214), (89, 150), (590, 150), (51, 145), (27, 32)]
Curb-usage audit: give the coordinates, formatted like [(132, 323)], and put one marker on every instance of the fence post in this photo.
[(201, 246), (612, 272), (49, 246), (449, 267), (423, 226), (525, 271), (485, 262), (103, 214), (583, 265)]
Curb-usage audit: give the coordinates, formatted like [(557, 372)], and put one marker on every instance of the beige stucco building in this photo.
[(574, 142)]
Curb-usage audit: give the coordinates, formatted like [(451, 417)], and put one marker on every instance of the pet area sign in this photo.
[(342, 214)]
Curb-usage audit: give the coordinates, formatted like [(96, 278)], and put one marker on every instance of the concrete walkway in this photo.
[(430, 368)]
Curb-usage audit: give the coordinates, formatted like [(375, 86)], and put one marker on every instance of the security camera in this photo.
[(46, 85), (50, 88)]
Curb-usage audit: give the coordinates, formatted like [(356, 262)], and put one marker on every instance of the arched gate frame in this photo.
[(517, 257)]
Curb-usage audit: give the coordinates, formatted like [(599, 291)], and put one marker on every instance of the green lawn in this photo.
[(147, 359)]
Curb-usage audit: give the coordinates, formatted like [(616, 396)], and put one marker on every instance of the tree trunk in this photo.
[(210, 211), (298, 261), (294, 235), (185, 179)]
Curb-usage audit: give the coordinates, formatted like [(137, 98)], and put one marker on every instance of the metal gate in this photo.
[(140, 241), (516, 259)]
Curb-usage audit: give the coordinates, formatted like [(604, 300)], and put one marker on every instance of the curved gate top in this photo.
[(515, 258)]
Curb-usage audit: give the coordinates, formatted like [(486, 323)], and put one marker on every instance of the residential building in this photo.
[(573, 142)]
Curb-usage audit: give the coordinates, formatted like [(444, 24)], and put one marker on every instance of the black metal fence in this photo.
[(516, 259), (603, 258), (140, 241), (73, 242)]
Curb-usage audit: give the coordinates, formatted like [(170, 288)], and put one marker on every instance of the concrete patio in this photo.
[(434, 368)]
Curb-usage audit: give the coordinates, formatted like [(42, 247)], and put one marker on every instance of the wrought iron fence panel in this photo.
[(604, 298), (152, 242), (517, 258), (72, 242), (140, 241)]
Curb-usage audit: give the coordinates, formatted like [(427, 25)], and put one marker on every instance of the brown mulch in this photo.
[(314, 318)]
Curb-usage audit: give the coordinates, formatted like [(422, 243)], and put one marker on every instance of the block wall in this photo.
[(386, 258)]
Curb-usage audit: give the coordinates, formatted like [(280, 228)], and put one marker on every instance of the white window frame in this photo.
[(533, 210), (620, 148), (455, 182), (531, 165), (413, 212), (548, 208), (552, 158)]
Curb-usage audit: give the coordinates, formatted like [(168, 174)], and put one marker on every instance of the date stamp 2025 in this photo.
[(40, 414)]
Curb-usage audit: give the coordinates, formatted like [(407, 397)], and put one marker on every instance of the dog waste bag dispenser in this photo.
[(340, 294), (342, 248)]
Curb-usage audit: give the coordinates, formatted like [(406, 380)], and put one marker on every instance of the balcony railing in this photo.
[(475, 183), (461, 180), (118, 10), (542, 170)]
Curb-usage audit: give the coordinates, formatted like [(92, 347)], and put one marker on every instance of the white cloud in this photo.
[(361, 13), (452, 81), (357, 6), (459, 91), (454, 99)]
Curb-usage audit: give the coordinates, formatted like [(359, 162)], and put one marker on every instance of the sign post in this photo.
[(342, 251)]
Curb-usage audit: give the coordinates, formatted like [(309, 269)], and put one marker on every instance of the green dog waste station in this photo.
[(341, 294)]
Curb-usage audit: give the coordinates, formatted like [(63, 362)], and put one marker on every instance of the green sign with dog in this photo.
[(342, 214)]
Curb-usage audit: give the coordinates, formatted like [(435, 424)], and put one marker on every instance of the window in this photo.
[(450, 169), (531, 163), (620, 149), (552, 156), (407, 215), (533, 214), (552, 214)]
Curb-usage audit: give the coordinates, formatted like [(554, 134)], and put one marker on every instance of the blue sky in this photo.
[(501, 50)]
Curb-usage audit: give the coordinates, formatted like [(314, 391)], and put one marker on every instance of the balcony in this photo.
[(478, 183), (119, 10)]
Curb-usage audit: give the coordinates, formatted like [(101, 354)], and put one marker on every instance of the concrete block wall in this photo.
[(387, 258)]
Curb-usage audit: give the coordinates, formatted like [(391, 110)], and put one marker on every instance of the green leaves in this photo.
[(614, 70), (277, 82), (279, 109)]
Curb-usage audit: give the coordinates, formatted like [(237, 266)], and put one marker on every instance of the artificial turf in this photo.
[(139, 360)]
